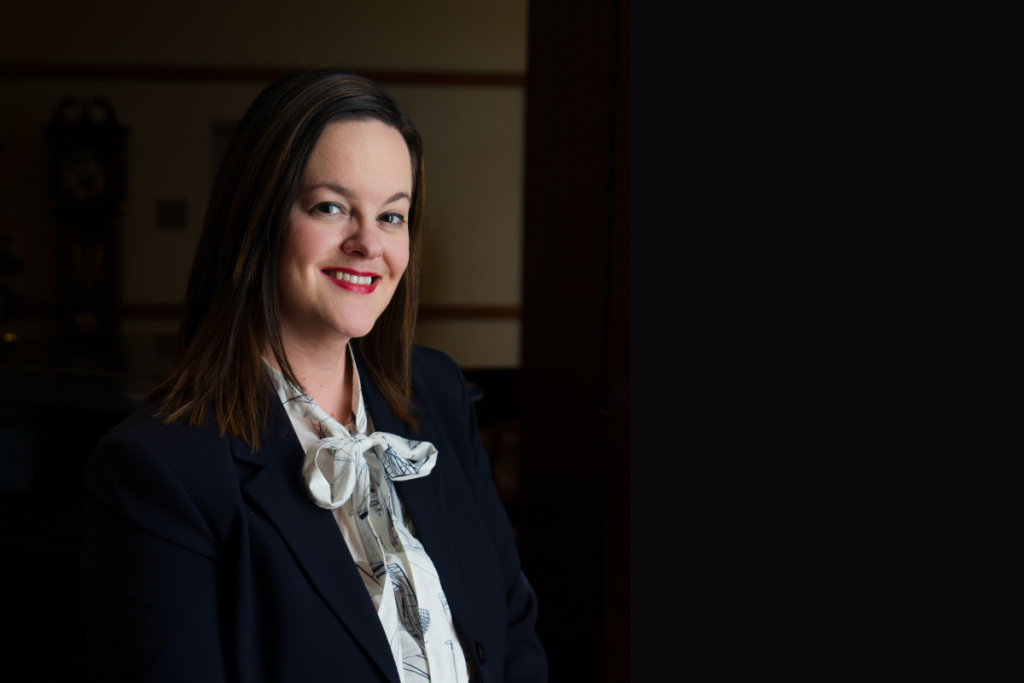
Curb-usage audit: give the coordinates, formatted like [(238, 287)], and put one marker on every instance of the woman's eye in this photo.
[(393, 218), (327, 207)]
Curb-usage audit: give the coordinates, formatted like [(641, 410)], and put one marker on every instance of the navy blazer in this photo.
[(205, 561)]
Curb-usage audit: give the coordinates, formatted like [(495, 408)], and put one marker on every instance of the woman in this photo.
[(307, 498)]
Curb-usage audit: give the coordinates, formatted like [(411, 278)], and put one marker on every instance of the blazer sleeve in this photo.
[(148, 572), (525, 661)]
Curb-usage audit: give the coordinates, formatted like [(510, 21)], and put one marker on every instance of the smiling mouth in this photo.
[(359, 283), (354, 279)]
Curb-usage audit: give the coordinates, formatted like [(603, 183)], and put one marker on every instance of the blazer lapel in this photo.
[(424, 497), (313, 536)]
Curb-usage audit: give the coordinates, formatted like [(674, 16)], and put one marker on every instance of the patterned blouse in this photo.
[(379, 532)]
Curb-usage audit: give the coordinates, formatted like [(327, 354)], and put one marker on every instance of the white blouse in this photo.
[(426, 646)]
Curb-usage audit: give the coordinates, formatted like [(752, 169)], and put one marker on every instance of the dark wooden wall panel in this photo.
[(575, 257)]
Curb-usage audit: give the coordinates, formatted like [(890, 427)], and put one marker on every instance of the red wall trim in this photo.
[(129, 311), (470, 313), (176, 311), (119, 72)]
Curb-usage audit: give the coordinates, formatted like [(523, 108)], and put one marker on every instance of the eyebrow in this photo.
[(351, 195)]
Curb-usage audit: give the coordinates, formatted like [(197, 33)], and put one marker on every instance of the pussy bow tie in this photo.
[(336, 466)]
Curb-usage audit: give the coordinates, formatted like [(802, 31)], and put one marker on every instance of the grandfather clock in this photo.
[(87, 183)]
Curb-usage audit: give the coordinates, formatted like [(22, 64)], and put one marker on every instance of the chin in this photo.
[(355, 330)]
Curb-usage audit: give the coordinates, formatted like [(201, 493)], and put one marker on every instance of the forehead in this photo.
[(363, 153)]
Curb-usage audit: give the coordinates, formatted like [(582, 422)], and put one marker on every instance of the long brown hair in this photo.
[(232, 310)]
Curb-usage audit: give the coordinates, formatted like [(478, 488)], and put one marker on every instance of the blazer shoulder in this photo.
[(437, 375), (432, 360), (179, 446), (176, 480)]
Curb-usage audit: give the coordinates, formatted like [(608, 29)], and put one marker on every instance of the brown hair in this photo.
[(232, 310)]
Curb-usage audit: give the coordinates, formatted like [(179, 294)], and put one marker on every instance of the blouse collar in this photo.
[(299, 403)]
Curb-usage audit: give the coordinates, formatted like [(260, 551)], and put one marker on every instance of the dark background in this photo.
[(826, 306)]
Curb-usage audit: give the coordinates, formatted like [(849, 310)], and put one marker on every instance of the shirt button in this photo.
[(480, 653)]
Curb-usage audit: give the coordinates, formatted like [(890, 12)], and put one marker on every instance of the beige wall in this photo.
[(460, 35), (473, 138)]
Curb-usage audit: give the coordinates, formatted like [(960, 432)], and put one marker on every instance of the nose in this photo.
[(364, 241)]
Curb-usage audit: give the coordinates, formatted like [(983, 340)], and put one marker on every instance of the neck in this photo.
[(322, 368)]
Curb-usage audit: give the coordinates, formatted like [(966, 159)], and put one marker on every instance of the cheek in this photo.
[(298, 254), (398, 257), (302, 248)]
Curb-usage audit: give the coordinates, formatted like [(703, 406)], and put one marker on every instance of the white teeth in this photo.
[(354, 279)]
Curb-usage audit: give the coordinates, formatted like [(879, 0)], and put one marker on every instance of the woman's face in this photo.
[(347, 243)]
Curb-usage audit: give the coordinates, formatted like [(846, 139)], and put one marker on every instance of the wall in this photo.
[(440, 35), (473, 137)]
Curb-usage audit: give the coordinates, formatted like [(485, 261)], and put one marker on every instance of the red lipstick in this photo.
[(352, 286)]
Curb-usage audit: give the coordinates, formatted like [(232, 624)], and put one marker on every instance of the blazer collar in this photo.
[(312, 534)]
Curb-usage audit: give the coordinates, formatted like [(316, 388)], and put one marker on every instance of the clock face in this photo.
[(83, 178)]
